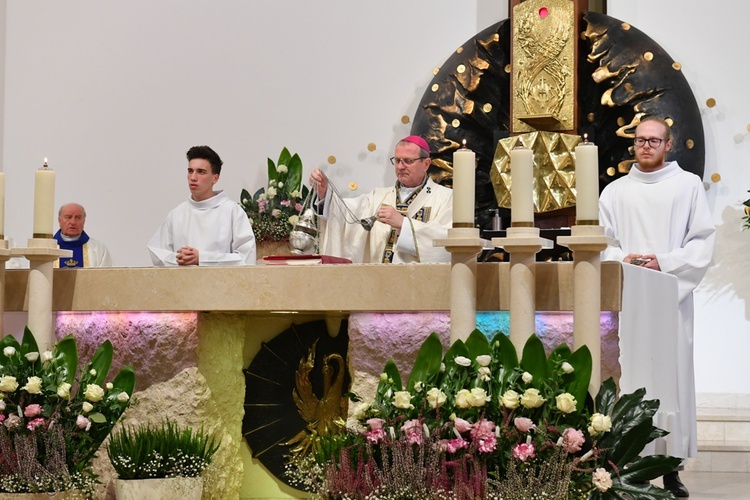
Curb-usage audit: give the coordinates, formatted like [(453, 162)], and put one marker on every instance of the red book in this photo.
[(303, 260)]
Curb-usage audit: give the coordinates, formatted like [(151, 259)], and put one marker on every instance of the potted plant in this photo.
[(163, 461), (54, 416)]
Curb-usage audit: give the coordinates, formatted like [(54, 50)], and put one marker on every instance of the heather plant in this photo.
[(55, 415), (163, 451), (477, 422)]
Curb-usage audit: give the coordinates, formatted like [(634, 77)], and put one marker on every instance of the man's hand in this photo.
[(187, 256), (320, 182), (389, 215), (648, 261)]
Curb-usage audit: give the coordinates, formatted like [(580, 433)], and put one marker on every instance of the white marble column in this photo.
[(4, 256)]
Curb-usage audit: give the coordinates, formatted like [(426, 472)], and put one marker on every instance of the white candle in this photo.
[(2, 205), (44, 201), (587, 182), (464, 164), (522, 186)]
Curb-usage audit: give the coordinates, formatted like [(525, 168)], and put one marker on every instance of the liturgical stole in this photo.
[(79, 250), (422, 215)]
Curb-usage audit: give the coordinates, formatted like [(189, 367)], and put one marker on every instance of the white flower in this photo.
[(63, 390), (478, 397), (402, 400), (442, 367), (383, 377), (484, 373), (532, 399), (87, 407), (281, 185), (601, 479), (600, 423), (271, 192), (282, 169), (276, 213), (93, 393), (567, 367), (462, 361), (566, 403), (510, 399), (293, 219), (527, 377), (484, 360), (262, 196), (361, 409), (436, 398), (123, 397), (355, 426), (33, 385), (109, 386), (2, 405), (32, 356), (295, 194), (463, 399), (9, 351), (418, 387), (46, 356), (92, 372)]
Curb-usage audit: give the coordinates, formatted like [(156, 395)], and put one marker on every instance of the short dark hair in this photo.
[(208, 154)]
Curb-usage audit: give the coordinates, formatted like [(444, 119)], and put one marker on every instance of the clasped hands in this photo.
[(187, 256), (648, 261)]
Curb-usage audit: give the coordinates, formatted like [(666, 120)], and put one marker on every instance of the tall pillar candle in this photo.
[(44, 201), (464, 164), (521, 186), (2, 205), (587, 183)]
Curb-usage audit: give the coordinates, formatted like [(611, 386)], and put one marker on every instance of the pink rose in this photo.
[(572, 440), (83, 422), (2, 417), (32, 410), (413, 431), (375, 423), (298, 207), (33, 424), (285, 203), (524, 451), (375, 436), (461, 425), (523, 424), (456, 444)]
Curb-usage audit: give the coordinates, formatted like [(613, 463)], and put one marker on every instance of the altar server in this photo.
[(406, 216), (87, 252), (208, 229), (660, 219)]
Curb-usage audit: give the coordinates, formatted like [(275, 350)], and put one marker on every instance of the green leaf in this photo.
[(457, 349), (101, 362), (477, 345), (607, 396), (273, 175), (642, 491), (7, 341), (284, 157), (649, 467), (427, 365), (391, 371), (125, 380), (28, 343), (504, 353), (534, 359), (578, 385), (66, 357), (97, 418), (629, 444), (294, 174)]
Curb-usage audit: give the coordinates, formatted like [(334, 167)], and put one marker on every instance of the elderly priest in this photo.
[(87, 252)]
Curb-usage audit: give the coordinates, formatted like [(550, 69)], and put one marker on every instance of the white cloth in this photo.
[(341, 238), (217, 227), (96, 255), (665, 213)]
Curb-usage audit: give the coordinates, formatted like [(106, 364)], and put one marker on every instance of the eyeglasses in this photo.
[(654, 142), (406, 161)]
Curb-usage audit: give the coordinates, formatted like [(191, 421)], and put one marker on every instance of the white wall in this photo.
[(114, 93)]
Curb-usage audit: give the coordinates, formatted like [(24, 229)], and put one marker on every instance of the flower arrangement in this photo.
[(147, 452), (477, 423), (746, 217), (54, 417), (274, 210)]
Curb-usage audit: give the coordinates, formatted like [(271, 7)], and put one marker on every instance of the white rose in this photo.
[(9, 351), (281, 185), (532, 399), (87, 407), (600, 423), (63, 390), (32, 356), (93, 393), (510, 399), (527, 377), (484, 360), (462, 361), (295, 194), (463, 399), (436, 398), (2, 405), (109, 386), (402, 400), (418, 387), (361, 409), (478, 397), (46, 356), (262, 196), (484, 373), (601, 479), (293, 219), (33, 385), (271, 192), (92, 372), (282, 169), (566, 403), (383, 377), (567, 367), (123, 397)]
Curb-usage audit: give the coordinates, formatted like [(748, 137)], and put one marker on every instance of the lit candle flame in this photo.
[(585, 137), (45, 163), (464, 143)]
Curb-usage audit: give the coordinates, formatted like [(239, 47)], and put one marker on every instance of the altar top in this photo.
[(316, 288)]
